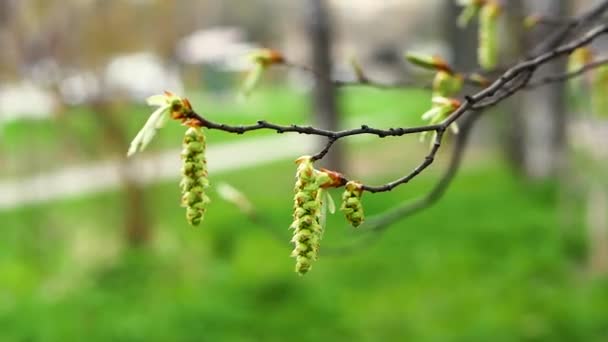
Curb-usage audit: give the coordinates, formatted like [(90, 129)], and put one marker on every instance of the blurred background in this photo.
[(94, 246)]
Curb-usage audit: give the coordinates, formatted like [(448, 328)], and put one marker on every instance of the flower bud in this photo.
[(442, 108), (261, 60), (478, 80), (267, 57), (446, 84), (531, 21), (169, 106), (194, 182), (351, 203), (428, 61)]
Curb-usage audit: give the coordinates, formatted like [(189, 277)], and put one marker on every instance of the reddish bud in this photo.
[(429, 62), (267, 57), (478, 79), (336, 179)]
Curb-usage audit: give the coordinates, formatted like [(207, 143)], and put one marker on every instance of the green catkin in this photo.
[(194, 181), (578, 87), (351, 203), (488, 35), (578, 59), (306, 216), (599, 95)]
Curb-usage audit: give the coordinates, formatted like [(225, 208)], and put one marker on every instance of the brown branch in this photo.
[(428, 160)]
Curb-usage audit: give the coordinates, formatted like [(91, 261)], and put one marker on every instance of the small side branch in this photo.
[(428, 160), (568, 75)]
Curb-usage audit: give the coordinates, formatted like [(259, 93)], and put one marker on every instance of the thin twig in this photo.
[(325, 150), (428, 160), (568, 75)]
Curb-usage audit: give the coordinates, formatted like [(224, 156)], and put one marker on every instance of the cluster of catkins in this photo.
[(308, 210), (194, 181)]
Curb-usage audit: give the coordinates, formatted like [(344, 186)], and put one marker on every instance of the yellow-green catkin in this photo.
[(577, 60), (306, 216), (488, 35), (579, 87), (195, 180), (351, 203), (599, 95)]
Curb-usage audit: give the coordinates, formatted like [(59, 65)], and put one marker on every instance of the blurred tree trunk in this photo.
[(324, 93), (513, 125), (12, 39), (462, 42), (533, 131), (543, 110), (137, 231)]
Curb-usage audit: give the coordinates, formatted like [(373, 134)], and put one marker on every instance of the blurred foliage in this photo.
[(487, 263)]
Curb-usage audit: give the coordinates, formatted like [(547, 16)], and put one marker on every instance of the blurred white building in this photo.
[(140, 75)]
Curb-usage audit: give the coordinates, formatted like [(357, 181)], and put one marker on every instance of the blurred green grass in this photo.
[(488, 263)]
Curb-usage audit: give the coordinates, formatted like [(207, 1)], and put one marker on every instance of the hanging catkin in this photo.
[(194, 181)]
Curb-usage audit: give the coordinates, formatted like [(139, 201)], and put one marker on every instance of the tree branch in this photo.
[(562, 34), (377, 225), (476, 101), (514, 79)]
